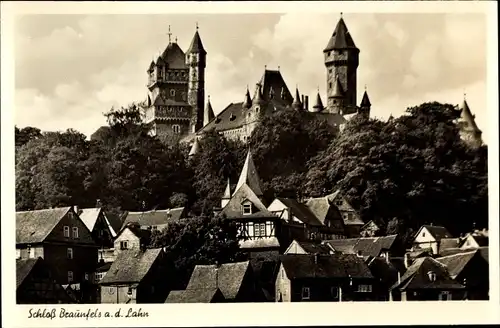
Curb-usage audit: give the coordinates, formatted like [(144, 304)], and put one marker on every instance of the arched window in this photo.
[(172, 92), (176, 128)]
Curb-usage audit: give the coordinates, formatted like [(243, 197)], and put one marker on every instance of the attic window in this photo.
[(66, 231), (364, 288), (257, 109), (75, 232), (330, 84), (338, 203), (306, 293), (432, 276), (172, 93), (247, 209), (232, 117)]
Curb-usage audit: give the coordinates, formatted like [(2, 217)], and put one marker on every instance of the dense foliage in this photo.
[(200, 240)]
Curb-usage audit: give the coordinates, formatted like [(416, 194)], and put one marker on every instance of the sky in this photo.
[(70, 69)]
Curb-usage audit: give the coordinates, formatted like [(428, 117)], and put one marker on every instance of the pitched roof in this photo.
[(297, 105), (319, 207), (437, 232), (196, 45), (208, 114), (247, 102), (249, 176), (447, 243), (457, 262), (23, 269), (155, 217), (366, 246), (341, 38), (299, 266), (195, 148), (174, 56), (365, 102), (301, 211), (131, 266), (143, 234), (233, 207), (227, 277), (206, 295), (318, 105), (417, 277), (466, 116), (273, 80), (314, 248), (481, 240), (89, 217), (35, 226)]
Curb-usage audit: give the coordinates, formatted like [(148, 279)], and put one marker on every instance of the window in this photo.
[(66, 231), (124, 245), (338, 203), (247, 209), (18, 253), (257, 109), (176, 128), (69, 253), (99, 275), (75, 232), (184, 97), (423, 233), (335, 292), (31, 252), (432, 276), (86, 276), (306, 293), (330, 84), (259, 229), (329, 53), (365, 288), (444, 296), (349, 216), (70, 276), (172, 93)]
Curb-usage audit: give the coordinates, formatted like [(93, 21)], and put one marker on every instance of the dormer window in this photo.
[(176, 128), (232, 117), (432, 276), (257, 109), (247, 209), (172, 93)]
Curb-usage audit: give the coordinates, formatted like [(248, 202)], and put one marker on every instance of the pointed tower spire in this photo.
[(249, 176), (196, 44), (318, 106), (365, 102), (195, 148), (169, 35), (247, 103), (227, 194), (297, 105), (341, 38), (259, 98), (209, 113)]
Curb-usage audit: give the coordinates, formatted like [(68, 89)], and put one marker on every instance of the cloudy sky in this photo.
[(69, 69)]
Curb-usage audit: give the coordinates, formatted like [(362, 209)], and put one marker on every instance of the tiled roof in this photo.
[(466, 115), (457, 262), (437, 232), (367, 246), (131, 266), (196, 45), (89, 217), (319, 207), (341, 38), (227, 277), (345, 207), (417, 277), (249, 176), (447, 243), (206, 295), (301, 211), (174, 56), (35, 226), (233, 207), (314, 248), (155, 217), (298, 266), (23, 269), (273, 80), (365, 102)]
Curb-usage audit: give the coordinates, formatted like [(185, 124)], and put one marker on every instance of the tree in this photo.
[(24, 135), (201, 240), (282, 144), (414, 168)]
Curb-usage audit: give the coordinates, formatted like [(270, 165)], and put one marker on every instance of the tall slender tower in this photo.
[(196, 60), (341, 61)]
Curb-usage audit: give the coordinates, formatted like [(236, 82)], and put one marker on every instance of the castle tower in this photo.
[(341, 61), (297, 104), (247, 102), (209, 113), (469, 131), (365, 106), (196, 61), (318, 106)]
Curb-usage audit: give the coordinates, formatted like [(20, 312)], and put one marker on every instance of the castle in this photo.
[(175, 108)]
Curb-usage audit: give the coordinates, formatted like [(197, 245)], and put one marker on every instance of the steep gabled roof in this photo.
[(272, 79), (155, 217), (457, 262), (131, 266), (365, 102), (174, 56), (233, 207), (35, 226), (301, 211), (249, 176), (366, 246), (438, 232), (196, 45), (311, 247), (299, 266), (466, 116), (341, 38), (89, 217)]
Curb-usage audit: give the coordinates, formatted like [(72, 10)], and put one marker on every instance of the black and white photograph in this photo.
[(324, 156)]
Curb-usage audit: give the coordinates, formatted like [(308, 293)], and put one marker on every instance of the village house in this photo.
[(155, 219), (229, 282), (35, 284), (351, 217), (429, 237), (387, 273), (471, 269), (136, 276), (98, 224), (61, 238), (426, 280), (322, 278), (476, 239), (131, 236), (386, 246), (328, 225), (370, 229), (308, 247)]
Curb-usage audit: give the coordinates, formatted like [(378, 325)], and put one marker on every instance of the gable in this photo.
[(126, 235), (71, 220), (233, 209), (35, 226)]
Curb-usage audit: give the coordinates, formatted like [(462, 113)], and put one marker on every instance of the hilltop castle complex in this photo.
[(175, 109)]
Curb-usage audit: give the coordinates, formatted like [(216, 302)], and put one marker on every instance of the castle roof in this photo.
[(272, 79), (151, 66), (174, 56), (195, 148), (338, 91), (196, 45), (318, 106), (162, 101), (297, 105), (341, 38), (365, 102), (208, 115), (227, 191), (259, 97), (466, 116), (247, 103), (249, 176)]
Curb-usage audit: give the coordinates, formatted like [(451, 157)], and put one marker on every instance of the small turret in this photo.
[(195, 148), (247, 103), (318, 106), (209, 113), (227, 194), (259, 98), (469, 130), (365, 106), (297, 105)]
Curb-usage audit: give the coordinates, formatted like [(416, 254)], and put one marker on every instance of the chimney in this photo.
[(306, 103), (98, 203), (76, 209)]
